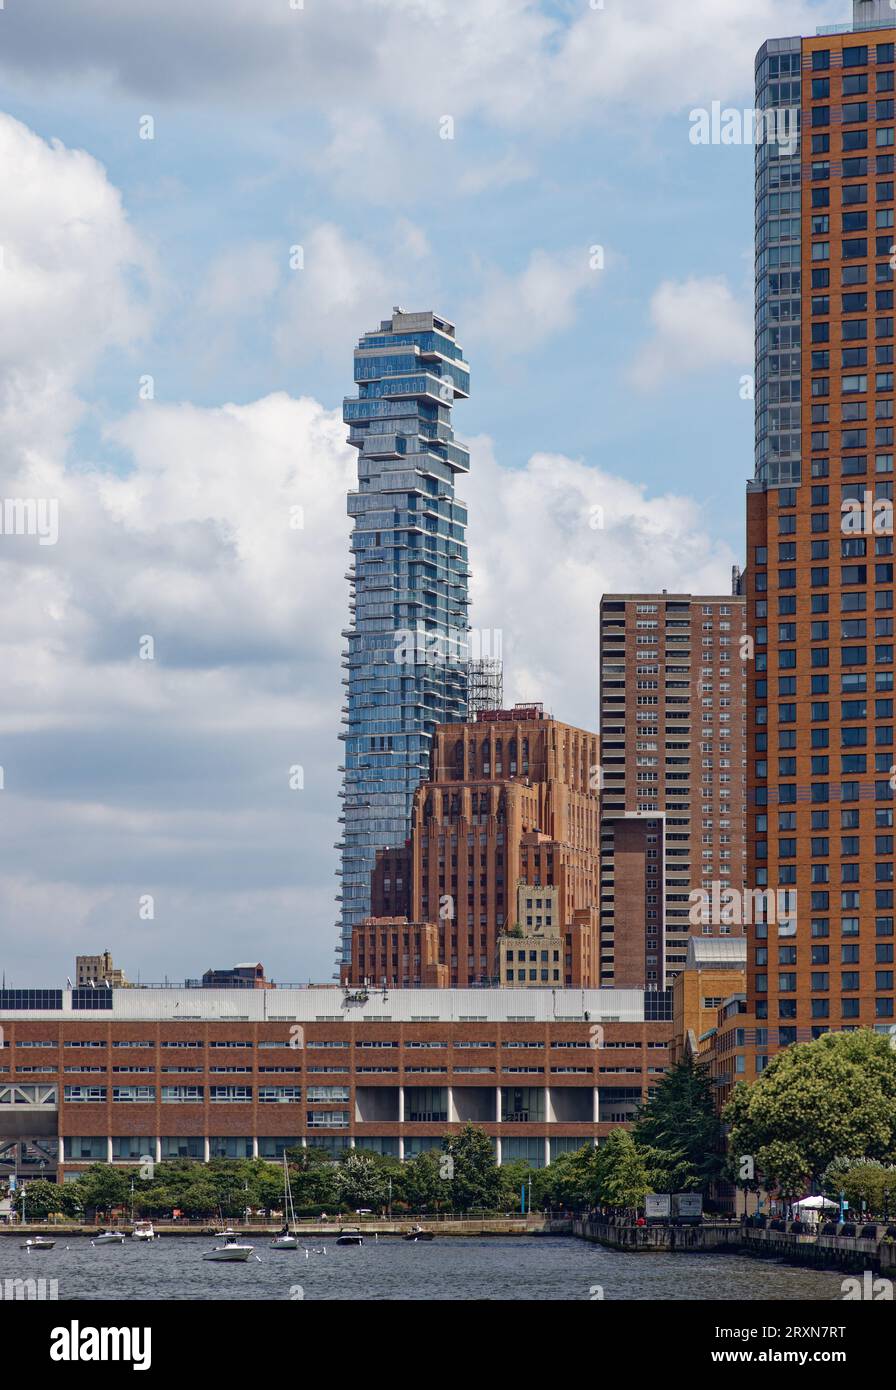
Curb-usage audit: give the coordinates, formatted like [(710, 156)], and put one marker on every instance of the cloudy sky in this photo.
[(173, 380)]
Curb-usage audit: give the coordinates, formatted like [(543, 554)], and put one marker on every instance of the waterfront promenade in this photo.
[(798, 1247)]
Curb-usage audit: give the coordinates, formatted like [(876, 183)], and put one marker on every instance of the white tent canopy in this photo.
[(816, 1204)]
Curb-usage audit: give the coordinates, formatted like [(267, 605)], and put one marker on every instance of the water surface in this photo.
[(536, 1268)]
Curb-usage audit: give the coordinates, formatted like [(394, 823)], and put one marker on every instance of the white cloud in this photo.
[(491, 177), (170, 777), (547, 540), (69, 259), (346, 287), (658, 58), (698, 324), (518, 312), (242, 280), (513, 62)]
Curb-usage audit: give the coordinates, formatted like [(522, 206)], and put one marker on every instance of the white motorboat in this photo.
[(231, 1250), (109, 1238), (286, 1241), (37, 1243), (143, 1230)]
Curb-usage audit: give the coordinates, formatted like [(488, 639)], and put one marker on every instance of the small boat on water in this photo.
[(231, 1250), (143, 1230), (37, 1243), (350, 1235), (418, 1233), (109, 1238), (286, 1240)]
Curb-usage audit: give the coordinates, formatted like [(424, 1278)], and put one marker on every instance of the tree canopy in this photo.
[(679, 1123), (814, 1103)]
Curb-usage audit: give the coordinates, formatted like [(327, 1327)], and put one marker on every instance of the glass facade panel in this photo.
[(778, 265), (407, 635)]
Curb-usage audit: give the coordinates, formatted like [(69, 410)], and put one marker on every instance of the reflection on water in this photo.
[(522, 1267)]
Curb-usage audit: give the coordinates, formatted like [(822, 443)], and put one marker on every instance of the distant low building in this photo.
[(531, 950), (248, 975), (99, 970)]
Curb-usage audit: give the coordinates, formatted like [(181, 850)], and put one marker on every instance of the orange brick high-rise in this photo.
[(820, 588)]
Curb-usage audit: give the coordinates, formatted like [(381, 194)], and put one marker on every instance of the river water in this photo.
[(535, 1268)]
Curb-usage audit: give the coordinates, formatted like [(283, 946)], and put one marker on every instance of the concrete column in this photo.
[(498, 1151), (158, 1151), (255, 1146), (498, 1104), (548, 1116), (108, 1148), (351, 1141), (596, 1113), (449, 1090), (547, 1151), (207, 1150), (401, 1122)]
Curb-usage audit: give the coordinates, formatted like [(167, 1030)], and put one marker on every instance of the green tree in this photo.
[(103, 1187), (361, 1181), (816, 1102), (679, 1123), (420, 1185), (313, 1177), (266, 1186), (71, 1200), (199, 1199), (623, 1179), (39, 1198), (475, 1181), (862, 1181), (512, 1178), (570, 1181)]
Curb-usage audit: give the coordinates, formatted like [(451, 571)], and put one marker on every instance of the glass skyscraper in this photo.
[(407, 640)]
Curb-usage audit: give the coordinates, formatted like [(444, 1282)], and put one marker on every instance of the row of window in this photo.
[(821, 1008), (183, 1094)]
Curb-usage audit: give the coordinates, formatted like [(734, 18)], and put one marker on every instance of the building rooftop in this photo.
[(324, 1004), (717, 952)]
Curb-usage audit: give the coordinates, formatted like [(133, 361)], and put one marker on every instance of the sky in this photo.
[(202, 207)]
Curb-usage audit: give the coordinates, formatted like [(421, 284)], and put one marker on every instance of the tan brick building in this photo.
[(673, 753)]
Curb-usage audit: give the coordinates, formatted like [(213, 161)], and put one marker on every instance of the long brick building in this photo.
[(115, 1076)]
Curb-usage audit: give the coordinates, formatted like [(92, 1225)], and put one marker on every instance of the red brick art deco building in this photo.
[(512, 799)]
